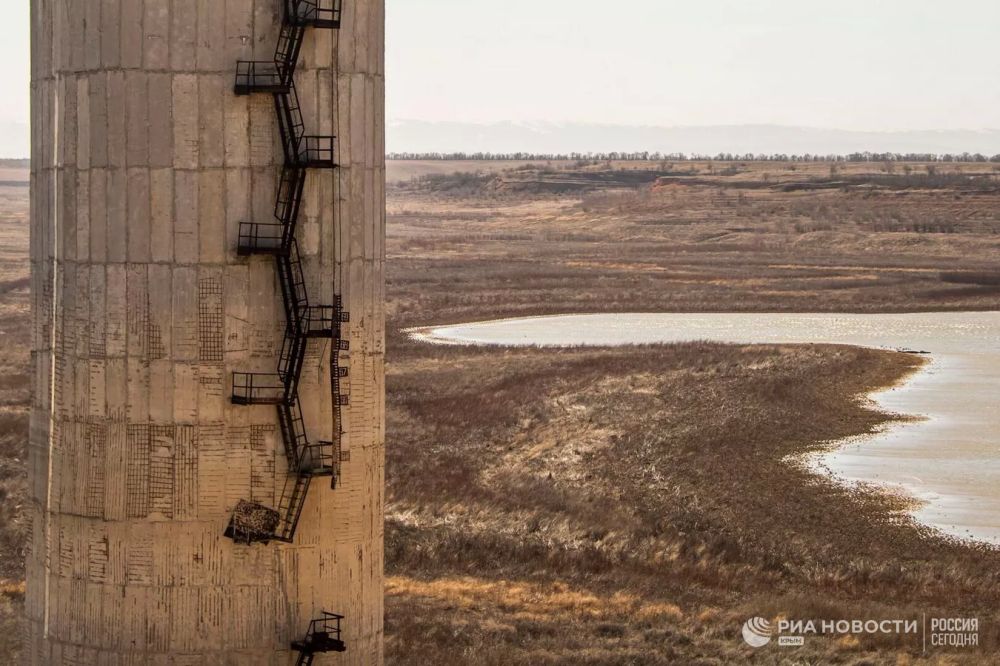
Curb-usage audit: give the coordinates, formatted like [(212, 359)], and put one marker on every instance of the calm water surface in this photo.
[(950, 460)]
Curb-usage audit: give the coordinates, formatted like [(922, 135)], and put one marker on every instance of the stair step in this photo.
[(324, 635), (258, 389), (324, 14), (260, 76)]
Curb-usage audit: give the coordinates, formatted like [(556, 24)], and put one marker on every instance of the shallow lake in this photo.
[(950, 460)]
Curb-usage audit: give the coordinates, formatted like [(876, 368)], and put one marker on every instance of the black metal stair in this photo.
[(324, 635), (254, 522), (319, 13), (305, 151), (276, 237)]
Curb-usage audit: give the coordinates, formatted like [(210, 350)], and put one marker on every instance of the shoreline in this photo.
[(933, 508), (819, 462), (901, 458)]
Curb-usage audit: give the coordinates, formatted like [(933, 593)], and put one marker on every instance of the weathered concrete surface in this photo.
[(143, 165)]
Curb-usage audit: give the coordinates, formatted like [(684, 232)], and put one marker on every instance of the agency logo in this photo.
[(757, 632), (790, 632)]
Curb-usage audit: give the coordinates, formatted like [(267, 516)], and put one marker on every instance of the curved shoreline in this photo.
[(825, 461), (938, 453)]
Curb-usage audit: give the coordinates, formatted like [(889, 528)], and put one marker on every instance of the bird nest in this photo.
[(254, 522)]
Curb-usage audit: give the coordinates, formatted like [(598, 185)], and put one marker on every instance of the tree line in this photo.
[(694, 157)]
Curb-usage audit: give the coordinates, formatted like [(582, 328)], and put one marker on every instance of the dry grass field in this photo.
[(15, 348), (401, 171), (695, 237), (635, 505)]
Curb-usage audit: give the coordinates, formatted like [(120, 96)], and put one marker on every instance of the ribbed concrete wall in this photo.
[(143, 165)]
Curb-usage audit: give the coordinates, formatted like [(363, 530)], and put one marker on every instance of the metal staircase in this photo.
[(253, 522), (323, 636)]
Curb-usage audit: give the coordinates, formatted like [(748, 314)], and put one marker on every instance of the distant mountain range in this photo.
[(414, 136)]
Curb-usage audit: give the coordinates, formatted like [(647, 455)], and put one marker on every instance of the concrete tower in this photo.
[(206, 450)]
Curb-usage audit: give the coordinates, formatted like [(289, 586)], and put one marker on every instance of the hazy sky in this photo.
[(854, 64), (14, 40)]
